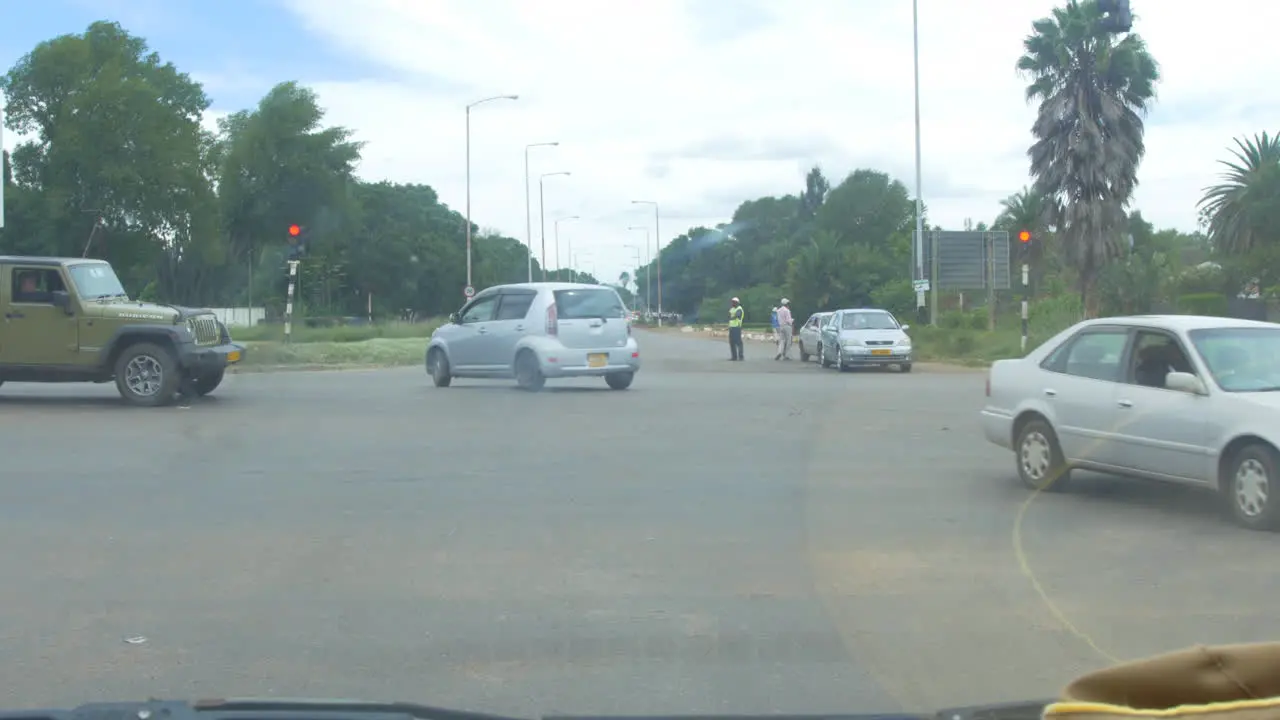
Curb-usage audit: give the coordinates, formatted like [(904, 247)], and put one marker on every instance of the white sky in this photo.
[(701, 104)]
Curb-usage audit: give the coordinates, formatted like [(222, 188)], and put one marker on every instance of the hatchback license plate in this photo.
[(881, 352), (597, 360)]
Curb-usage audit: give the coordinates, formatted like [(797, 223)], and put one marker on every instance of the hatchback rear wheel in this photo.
[(619, 380), (528, 375)]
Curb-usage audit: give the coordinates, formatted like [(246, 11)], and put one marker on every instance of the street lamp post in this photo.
[(637, 251), (569, 254), (657, 242), (542, 215), (478, 102), (933, 291), (528, 211), (648, 274)]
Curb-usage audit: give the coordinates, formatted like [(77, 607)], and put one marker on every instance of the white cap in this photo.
[(735, 300), (786, 301)]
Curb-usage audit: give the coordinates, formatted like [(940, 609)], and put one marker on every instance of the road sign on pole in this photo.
[(967, 260), (469, 292)]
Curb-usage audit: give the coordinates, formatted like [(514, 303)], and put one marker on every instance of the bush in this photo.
[(337, 334), (1212, 304)]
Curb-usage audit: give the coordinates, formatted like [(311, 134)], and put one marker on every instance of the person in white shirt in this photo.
[(786, 326)]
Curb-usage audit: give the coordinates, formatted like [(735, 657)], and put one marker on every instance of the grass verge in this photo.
[(351, 346), (971, 348), (379, 352), (339, 334)]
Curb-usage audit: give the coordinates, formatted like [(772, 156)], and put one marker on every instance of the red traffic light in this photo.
[(295, 231), (1024, 236)]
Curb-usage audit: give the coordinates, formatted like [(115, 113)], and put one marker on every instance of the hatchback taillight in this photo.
[(553, 326)]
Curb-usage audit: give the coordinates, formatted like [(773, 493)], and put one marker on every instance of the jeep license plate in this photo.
[(881, 352), (233, 357), (597, 360)]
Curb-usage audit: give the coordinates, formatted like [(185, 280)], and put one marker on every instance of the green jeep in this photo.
[(70, 320)]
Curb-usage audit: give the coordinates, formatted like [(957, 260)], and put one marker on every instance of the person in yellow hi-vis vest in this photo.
[(736, 314)]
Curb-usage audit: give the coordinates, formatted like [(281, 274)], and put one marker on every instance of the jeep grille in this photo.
[(205, 329)]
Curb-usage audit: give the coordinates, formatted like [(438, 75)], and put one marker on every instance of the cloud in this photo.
[(701, 104)]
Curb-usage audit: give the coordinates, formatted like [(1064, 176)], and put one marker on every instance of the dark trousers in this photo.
[(736, 351)]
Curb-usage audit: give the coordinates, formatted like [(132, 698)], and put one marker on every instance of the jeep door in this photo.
[(34, 330)]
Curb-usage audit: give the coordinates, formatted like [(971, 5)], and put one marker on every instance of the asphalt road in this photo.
[(723, 537)]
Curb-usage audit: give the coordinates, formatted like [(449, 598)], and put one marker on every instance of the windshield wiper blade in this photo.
[(305, 705), (1021, 710), (253, 709)]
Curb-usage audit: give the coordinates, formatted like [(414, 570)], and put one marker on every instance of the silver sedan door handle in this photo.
[(1050, 392), (519, 327), (1125, 403), (481, 330)]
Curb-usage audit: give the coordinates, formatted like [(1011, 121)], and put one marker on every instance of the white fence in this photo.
[(241, 316)]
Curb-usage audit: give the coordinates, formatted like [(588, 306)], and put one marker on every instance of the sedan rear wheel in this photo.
[(1041, 465)]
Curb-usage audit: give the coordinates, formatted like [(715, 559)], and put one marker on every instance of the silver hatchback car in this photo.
[(535, 331)]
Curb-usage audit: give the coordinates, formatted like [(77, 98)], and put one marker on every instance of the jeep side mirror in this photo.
[(61, 299)]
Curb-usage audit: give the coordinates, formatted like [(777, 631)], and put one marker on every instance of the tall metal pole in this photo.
[(648, 273), (542, 219), (569, 254), (478, 102), (528, 212), (657, 227), (468, 196), (915, 52), (657, 231)]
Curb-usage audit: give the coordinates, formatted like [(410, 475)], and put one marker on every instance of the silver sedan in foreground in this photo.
[(1184, 399)]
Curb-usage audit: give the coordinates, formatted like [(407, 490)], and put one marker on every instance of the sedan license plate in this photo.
[(233, 357), (597, 360), (881, 352)]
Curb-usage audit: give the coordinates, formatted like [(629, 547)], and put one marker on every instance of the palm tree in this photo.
[(1093, 90), (1024, 210), (1241, 209)]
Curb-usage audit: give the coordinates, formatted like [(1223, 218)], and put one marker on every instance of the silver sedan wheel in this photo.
[(1251, 486), (1036, 456)]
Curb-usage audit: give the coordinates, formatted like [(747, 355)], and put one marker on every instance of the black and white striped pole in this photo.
[(1024, 238), (297, 244), (1025, 305), (288, 301)]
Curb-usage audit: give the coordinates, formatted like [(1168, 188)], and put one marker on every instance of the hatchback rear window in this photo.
[(588, 303)]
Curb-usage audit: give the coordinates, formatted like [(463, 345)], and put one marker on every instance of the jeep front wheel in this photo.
[(206, 384), (147, 375)]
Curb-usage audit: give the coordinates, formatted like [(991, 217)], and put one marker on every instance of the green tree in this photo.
[(1242, 211), (118, 142), (1093, 90)]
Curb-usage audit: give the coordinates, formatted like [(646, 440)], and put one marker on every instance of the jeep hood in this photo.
[(144, 311)]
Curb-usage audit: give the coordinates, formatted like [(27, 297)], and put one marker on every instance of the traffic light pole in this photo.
[(288, 301), (1026, 296)]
